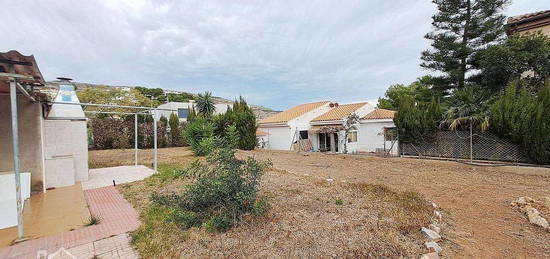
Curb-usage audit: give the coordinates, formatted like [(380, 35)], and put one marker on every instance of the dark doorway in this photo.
[(324, 142), (335, 142)]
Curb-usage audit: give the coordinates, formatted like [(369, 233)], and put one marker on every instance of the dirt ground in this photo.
[(475, 199)]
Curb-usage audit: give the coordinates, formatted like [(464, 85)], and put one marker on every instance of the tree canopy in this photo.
[(461, 29)]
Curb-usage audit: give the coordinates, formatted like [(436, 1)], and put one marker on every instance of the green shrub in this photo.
[(339, 202), (417, 122), (243, 119), (205, 146), (196, 131), (224, 189), (524, 118)]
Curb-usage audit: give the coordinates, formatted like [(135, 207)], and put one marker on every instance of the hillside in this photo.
[(260, 111)]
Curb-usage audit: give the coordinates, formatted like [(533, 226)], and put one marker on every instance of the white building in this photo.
[(377, 132), (65, 140), (327, 132), (182, 109), (51, 148), (319, 127), (282, 128)]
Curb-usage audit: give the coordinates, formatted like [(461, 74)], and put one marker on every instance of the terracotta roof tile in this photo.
[(261, 133), (379, 114), (293, 112), (523, 17), (340, 112)]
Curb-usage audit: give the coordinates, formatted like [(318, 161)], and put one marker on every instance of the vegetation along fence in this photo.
[(457, 144)]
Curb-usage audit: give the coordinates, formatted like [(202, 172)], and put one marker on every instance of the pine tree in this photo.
[(461, 29), (175, 132)]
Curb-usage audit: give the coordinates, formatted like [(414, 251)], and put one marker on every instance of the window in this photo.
[(66, 87), (352, 136), (183, 113), (303, 134), (66, 97), (390, 134)]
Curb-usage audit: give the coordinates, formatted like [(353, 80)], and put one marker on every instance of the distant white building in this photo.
[(182, 109)]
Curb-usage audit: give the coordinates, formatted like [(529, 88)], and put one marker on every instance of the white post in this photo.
[(136, 138), (43, 151), (15, 143), (155, 140)]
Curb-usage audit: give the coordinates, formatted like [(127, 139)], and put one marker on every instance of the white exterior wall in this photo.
[(8, 200), (363, 111), (370, 135), (278, 138), (66, 152), (281, 138)]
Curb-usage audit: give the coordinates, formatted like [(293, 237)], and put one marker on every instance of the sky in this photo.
[(274, 53)]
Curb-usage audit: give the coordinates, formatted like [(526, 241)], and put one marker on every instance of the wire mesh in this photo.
[(456, 144)]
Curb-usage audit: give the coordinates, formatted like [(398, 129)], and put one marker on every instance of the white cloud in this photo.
[(275, 53)]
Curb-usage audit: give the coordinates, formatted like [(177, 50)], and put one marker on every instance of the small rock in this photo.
[(434, 246), (434, 205), (432, 255), (432, 235), (306, 174), (437, 214), (330, 179), (535, 218), (434, 228)]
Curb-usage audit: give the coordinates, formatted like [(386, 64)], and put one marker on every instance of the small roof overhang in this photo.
[(329, 128)]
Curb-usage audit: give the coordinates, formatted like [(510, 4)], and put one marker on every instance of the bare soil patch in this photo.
[(310, 217), (475, 199)]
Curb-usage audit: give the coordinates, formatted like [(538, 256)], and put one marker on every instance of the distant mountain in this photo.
[(260, 111)]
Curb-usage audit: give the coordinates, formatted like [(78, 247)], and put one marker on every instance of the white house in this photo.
[(182, 109), (377, 132), (319, 127), (327, 132), (283, 129)]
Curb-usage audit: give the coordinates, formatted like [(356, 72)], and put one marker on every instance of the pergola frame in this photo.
[(144, 111), (14, 87)]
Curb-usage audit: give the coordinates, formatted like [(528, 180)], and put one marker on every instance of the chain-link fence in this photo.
[(462, 145)]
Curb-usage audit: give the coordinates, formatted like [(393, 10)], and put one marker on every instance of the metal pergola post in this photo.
[(136, 138), (16, 169), (155, 140)]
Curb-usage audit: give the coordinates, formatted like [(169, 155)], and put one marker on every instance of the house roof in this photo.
[(293, 113), (339, 112), (261, 133), (378, 114), (23, 65), (528, 17)]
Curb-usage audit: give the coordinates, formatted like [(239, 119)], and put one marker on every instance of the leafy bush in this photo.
[(196, 131), (242, 117), (417, 121), (224, 189), (524, 118)]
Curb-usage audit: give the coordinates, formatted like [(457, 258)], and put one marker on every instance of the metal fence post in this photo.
[(471, 143), (16, 169), (136, 139), (155, 140)]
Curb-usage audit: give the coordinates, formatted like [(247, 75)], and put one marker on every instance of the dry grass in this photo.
[(118, 157), (309, 218)]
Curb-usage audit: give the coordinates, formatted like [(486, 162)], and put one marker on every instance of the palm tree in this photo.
[(205, 104), (469, 108)]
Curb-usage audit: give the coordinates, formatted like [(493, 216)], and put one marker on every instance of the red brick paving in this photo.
[(117, 217)]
